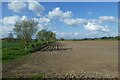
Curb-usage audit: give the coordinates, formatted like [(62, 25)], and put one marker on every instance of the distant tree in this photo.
[(41, 35), (74, 39), (62, 39), (104, 38), (25, 30), (51, 37), (45, 35), (85, 39), (118, 37), (10, 37), (36, 40)]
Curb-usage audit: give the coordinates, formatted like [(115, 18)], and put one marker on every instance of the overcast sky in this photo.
[(66, 19)]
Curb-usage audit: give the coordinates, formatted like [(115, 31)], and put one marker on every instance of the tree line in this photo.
[(26, 29), (101, 38)]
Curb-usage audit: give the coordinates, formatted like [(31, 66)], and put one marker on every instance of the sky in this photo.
[(70, 20)]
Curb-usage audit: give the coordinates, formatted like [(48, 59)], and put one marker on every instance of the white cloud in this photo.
[(44, 20), (105, 28), (67, 14), (10, 20), (17, 6), (68, 34), (36, 19), (76, 33), (107, 19), (24, 18), (83, 21), (58, 13), (55, 13), (74, 22), (91, 26), (41, 25), (95, 27), (6, 30), (8, 23), (36, 7)]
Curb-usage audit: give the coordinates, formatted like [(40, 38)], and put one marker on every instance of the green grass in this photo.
[(38, 76), (13, 50), (6, 44)]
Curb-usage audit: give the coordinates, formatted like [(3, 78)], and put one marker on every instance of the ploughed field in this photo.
[(80, 59)]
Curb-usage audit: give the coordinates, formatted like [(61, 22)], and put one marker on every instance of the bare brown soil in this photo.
[(81, 59)]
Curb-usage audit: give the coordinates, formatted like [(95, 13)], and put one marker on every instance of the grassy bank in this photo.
[(13, 50)]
